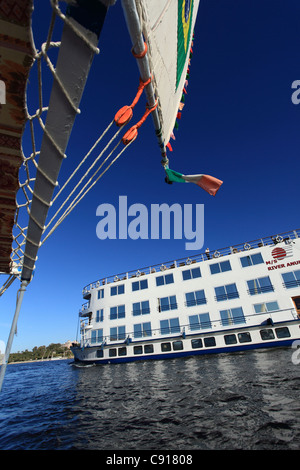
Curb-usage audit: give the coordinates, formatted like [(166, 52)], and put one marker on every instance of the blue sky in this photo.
[(238, 124)]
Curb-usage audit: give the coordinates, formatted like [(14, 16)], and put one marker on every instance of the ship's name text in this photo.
[(283, 265)]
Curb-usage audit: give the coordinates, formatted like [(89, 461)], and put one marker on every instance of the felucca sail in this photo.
[(168, 27), (162, 36)]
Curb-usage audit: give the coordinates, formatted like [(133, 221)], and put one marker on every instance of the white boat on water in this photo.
[(234, 299)]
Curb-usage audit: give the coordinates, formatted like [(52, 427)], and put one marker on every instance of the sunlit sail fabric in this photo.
[(168, 29)]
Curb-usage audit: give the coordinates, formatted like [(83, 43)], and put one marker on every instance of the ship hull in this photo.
[(89, 355)]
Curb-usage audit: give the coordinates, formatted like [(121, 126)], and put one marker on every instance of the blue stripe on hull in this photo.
[(196, 352)]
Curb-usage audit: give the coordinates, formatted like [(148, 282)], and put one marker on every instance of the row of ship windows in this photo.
[(169, 303), (171, 325), (263, 284), (209, 342)]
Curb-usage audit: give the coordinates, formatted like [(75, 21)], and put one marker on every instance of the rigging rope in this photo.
[(74, 203), (30, 164), (86, 173), (83, 160), (122, 117)]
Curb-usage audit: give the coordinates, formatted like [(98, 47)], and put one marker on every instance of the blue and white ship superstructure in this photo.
[(242, 297)]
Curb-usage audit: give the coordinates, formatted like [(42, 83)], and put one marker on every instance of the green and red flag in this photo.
[(209, 183)]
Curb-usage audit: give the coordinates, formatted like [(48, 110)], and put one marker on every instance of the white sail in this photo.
[(168, 27)]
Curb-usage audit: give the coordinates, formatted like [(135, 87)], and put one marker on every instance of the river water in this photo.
[(247, 401)]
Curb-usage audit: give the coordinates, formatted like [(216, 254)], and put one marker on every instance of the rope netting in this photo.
[(90, 167)]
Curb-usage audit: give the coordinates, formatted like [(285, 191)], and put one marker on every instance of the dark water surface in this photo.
[(247, 401)]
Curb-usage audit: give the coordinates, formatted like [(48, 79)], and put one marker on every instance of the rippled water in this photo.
[(239, 401)]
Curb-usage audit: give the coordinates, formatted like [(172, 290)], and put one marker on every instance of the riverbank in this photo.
[(53, 351)]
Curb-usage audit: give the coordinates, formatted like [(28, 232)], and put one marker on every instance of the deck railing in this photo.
[(211, 327), (291, 284), (286, 237)]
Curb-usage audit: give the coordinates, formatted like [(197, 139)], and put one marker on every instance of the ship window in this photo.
[(117, 333), (99, 352), (142, 329), (117, 290), (165, 347), (244, 337), (177, 345), (266, 307), (229, 291), (169, 326), (139, 285), (197, 343), (148, 348), (93, 337), (230, 339), (195, 298), (100, 293), (200, 321), (122, 351), (99, 315), (209, 342), (112, 352), (97, 336), (251, 260), (232, 316), (167, 303), (191, 273), (140, 308), (291, 279), (165, 279), (221, 267), (267, 334), (282, 332), (260, 285), (117, 312), (138, 350)]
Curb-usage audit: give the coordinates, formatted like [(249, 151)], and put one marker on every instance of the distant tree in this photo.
[(40, 352)]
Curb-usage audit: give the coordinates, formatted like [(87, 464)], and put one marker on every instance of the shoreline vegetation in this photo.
[(53, 351)]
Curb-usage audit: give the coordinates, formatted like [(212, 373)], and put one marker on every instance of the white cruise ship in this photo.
[(238, 298)]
